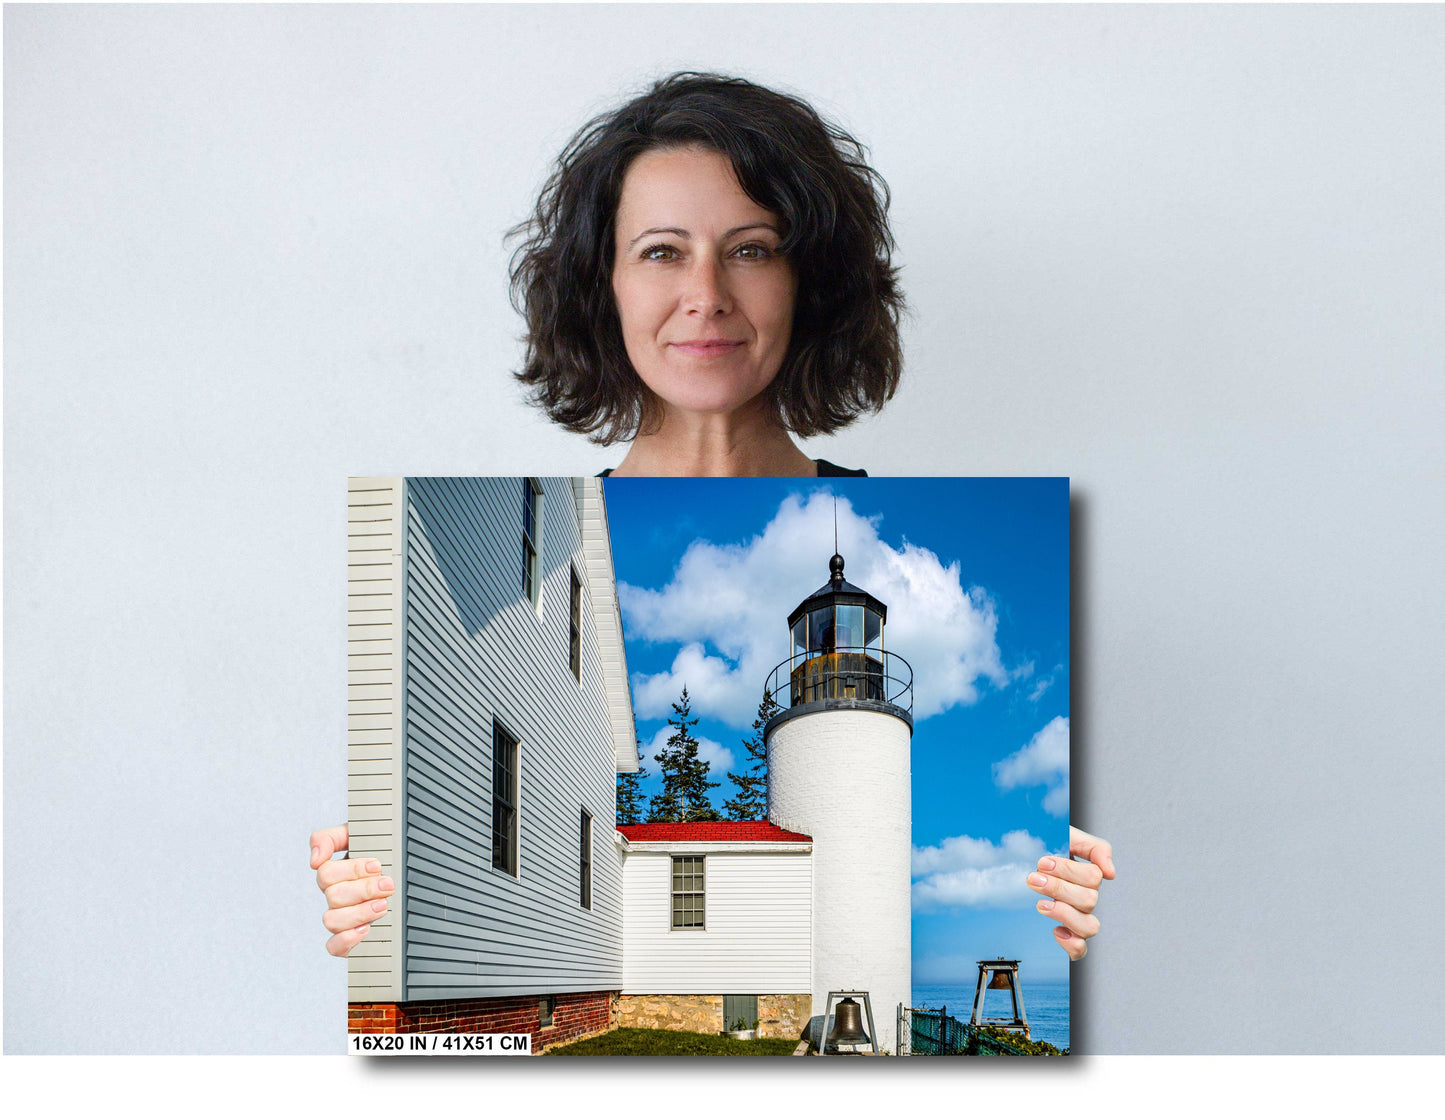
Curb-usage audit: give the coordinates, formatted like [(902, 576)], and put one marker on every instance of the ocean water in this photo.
[(1045, 1005)]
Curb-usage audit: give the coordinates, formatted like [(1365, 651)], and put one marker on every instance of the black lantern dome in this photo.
[(837, 657), (839, 615), (837, 642)]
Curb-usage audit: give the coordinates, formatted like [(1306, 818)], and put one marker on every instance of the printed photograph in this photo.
[(711, 766)]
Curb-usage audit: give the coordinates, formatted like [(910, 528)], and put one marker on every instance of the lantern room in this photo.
[(837, 650)]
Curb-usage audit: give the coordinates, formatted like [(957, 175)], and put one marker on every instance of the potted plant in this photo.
[(740, 1029)]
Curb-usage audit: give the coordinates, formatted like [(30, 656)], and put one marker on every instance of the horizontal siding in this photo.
[(477, 649), (374, 568), (759, 926)]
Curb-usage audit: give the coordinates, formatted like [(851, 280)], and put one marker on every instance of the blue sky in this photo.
[(975, 575)]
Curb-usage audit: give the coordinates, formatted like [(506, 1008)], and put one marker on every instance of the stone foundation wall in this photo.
[(779, 1016), (784, 1016), (671, 1013), (576, 1015)]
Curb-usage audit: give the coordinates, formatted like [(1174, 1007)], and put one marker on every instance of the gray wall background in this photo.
[(1192, 257)]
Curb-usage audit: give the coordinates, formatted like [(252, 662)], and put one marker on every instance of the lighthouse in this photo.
[(838, 771)]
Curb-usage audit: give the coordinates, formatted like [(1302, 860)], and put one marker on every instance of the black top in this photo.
[(825, 470)]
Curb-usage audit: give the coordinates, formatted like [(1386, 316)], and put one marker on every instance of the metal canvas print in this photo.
[(736, 766)]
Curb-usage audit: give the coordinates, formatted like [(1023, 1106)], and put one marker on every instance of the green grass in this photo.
[(634, 1040)]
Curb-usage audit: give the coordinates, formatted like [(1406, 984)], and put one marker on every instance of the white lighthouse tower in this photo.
[(838, 770)]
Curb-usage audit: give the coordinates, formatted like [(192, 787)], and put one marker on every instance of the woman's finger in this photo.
[(338, 870), (1082, 899), (1076, 947), (349, 892), (1080, 925), (1072, 870), (1093, 849), (342, 943), (326, 842), (349, 917)]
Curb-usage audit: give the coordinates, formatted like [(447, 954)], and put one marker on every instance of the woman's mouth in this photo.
[(706, 348)]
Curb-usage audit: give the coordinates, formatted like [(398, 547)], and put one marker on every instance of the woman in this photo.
[(707, 274)]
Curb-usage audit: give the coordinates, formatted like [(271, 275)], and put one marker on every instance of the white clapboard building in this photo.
[(489, 713)]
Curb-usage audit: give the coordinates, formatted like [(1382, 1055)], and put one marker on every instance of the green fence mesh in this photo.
[(939, 1033)]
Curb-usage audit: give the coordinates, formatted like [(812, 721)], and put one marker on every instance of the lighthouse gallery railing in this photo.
[(843, 673)]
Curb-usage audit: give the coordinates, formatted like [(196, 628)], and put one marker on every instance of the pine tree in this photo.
[(629, 792), (666, 805), (684, 795), (751, 803)]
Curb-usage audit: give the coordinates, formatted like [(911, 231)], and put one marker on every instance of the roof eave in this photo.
[(706, 846)]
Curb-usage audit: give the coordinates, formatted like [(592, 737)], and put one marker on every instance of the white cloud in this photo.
[(966, 871), (1043, 761), (1043, 684), (720, 758), (728, 605), (714, 684)]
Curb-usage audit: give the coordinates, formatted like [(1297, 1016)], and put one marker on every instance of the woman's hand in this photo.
[(355, 890), (1071, 889)]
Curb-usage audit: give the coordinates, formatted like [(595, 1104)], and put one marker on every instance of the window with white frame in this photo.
[(504, 800), (688, 892), (585, 859), (531, 538)]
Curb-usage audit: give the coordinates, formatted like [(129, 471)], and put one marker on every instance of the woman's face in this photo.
[(706, 301)]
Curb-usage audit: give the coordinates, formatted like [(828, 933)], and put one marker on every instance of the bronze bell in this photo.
[(847, 1024), (1000, 980)]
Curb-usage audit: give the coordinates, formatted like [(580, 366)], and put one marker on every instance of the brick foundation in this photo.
[(577, 1015)]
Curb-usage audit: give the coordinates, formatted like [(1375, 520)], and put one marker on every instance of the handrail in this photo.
[(843, 673)]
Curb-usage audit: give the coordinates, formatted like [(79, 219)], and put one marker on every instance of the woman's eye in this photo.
[(659, 253), (753, 251)]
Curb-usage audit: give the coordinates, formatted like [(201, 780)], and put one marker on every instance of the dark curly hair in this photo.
[(844, 356)]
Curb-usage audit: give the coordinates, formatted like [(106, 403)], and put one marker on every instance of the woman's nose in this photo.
[(707, 291)]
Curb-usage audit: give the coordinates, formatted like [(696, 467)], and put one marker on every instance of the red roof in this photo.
[(706, 831)]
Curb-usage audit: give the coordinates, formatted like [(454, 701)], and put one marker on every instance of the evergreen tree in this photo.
[(751, 803), (684, 795), (629, 792), (666, 805)]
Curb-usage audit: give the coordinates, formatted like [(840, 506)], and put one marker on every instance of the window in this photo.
[(546, 1008), (504, 800), (574, 632), (586, 860), (531, 521), (687, 892)]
